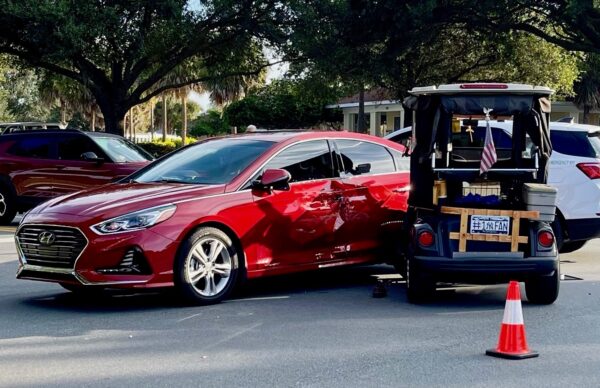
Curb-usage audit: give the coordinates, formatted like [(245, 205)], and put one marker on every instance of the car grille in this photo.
[(58, 252)]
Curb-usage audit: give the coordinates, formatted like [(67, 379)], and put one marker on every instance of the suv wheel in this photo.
[(8, 210), (420, 287), (543, 289), (572, 246), (206, 268)]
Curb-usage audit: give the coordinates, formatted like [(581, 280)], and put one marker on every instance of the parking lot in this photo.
[(314, 329)]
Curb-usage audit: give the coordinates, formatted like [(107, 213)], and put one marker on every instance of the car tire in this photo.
[(543, 289), (420, 287), (8, 208), (572, 246), (206, 267)]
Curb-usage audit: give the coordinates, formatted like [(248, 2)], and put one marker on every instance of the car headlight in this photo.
[(135, 221)]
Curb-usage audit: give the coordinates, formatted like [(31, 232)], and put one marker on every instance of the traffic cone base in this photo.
[(512, 343), (511, 356)]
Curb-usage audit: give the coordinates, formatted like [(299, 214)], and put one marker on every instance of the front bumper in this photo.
[(484, 268), (106, 251)]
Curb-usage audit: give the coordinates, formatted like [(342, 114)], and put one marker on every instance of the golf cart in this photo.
[(480, 214)]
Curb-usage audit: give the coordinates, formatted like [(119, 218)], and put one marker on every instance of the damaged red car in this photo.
[(226, 209)]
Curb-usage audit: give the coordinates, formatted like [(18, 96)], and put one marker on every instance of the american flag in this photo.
[(488, 155)]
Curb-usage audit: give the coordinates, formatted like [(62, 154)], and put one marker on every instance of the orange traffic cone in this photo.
[(512, 343)]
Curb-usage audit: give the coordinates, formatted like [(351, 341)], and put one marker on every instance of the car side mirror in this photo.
[(92, 157), (364, 168), (273, 179)]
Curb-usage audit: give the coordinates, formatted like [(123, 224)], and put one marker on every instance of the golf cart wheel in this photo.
[(543, 289), (206, 268), (8, 210), (420, 287)]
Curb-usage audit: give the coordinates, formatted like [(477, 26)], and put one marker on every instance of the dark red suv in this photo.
[(38, 165)]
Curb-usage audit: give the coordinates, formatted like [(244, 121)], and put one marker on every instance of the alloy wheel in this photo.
[(208, 266)]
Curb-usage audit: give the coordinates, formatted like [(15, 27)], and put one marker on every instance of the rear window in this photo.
[(576, 143)]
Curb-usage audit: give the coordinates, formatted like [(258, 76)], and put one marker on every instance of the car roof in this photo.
[(575, 127), (281, 136), (101, 134)]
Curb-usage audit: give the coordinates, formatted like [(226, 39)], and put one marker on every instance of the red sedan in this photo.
[(223, 210)]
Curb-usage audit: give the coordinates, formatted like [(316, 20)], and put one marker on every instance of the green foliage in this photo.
[(174, 114), (159, 148), (23, 102), (587, 88), (531, 60), (123, 50), (209, 124), (399, 45), (286, 104)]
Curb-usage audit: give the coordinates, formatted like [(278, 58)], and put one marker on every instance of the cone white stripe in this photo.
[(513, 313)]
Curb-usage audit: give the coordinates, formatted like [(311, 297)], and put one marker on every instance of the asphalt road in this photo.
[(312, 330)]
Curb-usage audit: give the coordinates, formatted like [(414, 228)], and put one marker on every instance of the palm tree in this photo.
[(587, 88), (222, 89)]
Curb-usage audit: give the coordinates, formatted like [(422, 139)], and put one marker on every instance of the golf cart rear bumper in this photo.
[(486, 269)]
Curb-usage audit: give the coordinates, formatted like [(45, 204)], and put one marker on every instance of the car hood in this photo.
[(121, 198)]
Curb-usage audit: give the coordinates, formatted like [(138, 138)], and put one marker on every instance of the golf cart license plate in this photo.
[(489, 224)]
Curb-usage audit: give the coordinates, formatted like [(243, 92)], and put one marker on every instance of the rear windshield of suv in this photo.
[(582, 144), (120, 150)]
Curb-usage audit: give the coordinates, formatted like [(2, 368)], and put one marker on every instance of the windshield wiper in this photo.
[(168, 180)]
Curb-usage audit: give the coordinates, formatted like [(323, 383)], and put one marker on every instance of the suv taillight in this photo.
[(591, 170)]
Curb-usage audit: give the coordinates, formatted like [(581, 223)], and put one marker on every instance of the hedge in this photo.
[(159, 148)]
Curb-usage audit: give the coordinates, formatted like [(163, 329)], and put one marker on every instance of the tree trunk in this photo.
[(586, 114), (131, 126), (362, 125), (152, 119), (126, 125), (185, 116), (164, 103), (63, 112), (93, 119), (113, 108)]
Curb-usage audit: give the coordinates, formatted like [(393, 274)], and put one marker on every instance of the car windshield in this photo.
[(211, 162), (120, 150)]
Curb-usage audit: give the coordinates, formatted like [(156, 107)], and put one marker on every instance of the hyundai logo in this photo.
[(46, 238)]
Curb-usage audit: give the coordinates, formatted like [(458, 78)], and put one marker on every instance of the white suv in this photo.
[(574, 170)]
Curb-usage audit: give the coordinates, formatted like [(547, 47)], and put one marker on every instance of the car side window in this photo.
[(363, 158), (38, 147), (402, 160), (305, 161), (572, 143), (72, 147)]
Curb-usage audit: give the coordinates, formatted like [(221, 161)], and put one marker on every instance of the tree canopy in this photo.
[(285, 104), (122, 49)]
